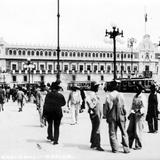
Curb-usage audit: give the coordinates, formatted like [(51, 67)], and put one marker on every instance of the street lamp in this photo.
[(29, 66), (113, 34), (58, 46), (131, 41)]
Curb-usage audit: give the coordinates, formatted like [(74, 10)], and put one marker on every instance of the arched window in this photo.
[(37, 53), (10, 52), (14, 52), (46, 53), (128, 55), (41, 53), (93, 54), (28, 53), (66, 54), (32, 53), (24, 52), (19, 52)]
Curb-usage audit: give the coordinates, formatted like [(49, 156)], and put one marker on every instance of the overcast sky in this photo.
[(82, 22)]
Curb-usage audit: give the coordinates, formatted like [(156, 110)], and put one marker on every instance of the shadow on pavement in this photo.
[(37, 141), (32, 126)]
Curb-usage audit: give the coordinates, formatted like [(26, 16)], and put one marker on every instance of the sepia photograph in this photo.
[(79, 79)]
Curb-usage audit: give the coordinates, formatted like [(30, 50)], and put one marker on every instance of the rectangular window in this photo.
[(95, 68), (81, 68), (102, 68), (14, 66), (25, 78), (146, 68), (102, 78), (42, 78), (50, 67), (73, 67), (108, 69), (73, 77), (65, 68), (88, 77), (14, 78), (42, 67), (88, 67)]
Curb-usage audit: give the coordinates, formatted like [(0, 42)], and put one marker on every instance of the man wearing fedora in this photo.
[(95, 111), (52, 111)]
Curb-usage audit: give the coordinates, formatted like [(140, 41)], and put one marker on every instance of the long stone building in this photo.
[(79, 64)]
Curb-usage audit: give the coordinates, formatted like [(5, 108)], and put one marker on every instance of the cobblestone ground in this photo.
[(21, 137)]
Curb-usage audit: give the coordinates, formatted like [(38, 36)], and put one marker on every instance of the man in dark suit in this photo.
[(52, 111)]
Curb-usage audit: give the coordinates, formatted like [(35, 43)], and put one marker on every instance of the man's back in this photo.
[(114, 105)]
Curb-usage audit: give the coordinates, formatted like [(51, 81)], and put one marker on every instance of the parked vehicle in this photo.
[(80, 84), (129, 85)]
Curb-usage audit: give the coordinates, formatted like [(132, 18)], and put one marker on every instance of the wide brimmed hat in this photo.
[(55, 85)]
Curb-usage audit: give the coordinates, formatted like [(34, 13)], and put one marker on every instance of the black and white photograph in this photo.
[(79, 79)]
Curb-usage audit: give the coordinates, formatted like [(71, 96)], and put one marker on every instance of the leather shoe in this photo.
[(50, 138), (99, 149), (54, 143)]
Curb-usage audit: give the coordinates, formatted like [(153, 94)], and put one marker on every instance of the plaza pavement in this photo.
[(21, 137)]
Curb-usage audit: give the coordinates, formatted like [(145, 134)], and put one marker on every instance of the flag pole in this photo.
[(145, 20)]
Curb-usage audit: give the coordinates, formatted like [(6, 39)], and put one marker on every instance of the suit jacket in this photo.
[(114, 107), (53, 103)]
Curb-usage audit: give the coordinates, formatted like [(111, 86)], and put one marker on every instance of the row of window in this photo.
[(81, 67), (25, 78), (67, 54)]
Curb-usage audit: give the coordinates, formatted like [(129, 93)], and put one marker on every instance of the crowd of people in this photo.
[(49, 102)]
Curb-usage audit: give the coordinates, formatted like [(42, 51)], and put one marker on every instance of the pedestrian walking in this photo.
[(136, 118), (2, 98), (153, 110), (39, 98), (7, 93), (116, 117), (20, 99), (95, 112), (52, 111), (74, 102)]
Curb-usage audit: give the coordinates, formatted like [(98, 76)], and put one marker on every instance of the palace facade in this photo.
[(79, 64)]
